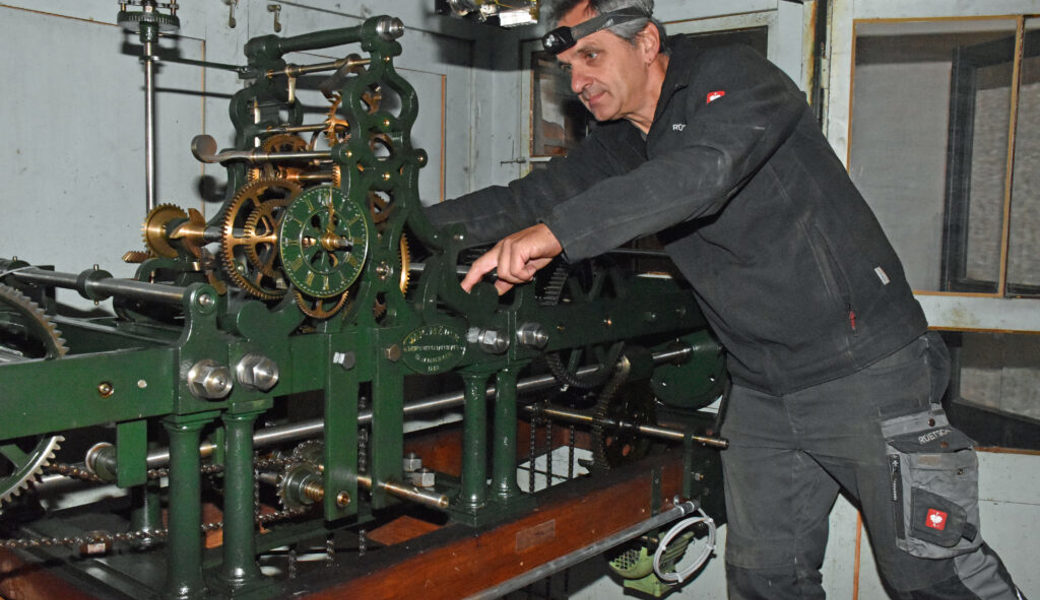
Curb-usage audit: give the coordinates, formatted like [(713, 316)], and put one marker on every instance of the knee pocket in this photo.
[(934, 485)]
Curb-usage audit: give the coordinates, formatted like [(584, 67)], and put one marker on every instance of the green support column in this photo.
[(473, 488), (184, 542), (503, 474), (239, 548)]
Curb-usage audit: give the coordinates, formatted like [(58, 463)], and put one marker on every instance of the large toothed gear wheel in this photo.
[(154, 230), (249, 245), (26, 333)]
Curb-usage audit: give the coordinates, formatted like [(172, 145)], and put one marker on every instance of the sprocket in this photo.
[(26, 333)]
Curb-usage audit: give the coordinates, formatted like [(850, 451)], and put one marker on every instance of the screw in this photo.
[(141, 383), (347, 360), (392, 353), (342, 499), (105, 389)]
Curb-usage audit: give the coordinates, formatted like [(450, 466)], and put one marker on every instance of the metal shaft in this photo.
[(313, 428), (104, 287), (149, 126), (431, 499)]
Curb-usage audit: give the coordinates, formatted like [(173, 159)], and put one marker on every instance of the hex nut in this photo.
[(257, 372), (423, 478), (411, 463), (209, 380)]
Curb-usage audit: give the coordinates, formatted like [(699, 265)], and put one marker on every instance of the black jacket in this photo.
[(787, 260)]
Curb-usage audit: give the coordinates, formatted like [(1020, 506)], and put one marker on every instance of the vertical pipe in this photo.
[(473, 488), (149, 36), (147, 513), (149, 126), (239, 548), (184, 543), (503, 478)]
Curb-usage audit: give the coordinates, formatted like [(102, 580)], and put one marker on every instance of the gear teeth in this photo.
[(135, 257), (153, 231)]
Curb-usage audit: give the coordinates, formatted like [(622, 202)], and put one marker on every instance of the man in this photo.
[(836, 381)]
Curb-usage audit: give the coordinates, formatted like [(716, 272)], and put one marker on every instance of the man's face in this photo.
[(607, 73)]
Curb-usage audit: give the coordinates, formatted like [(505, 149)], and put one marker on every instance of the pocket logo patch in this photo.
[(936, 519)]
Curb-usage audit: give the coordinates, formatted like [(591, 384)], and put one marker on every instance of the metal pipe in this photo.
[(104, 287), (413, 494), (297, 70), (657, 431), (149, 126), (569, 560)]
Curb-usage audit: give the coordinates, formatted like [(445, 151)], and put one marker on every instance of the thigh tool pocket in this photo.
[(934, 485)]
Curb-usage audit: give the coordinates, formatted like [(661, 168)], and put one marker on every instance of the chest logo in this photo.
[(678, 126), (713, 96)]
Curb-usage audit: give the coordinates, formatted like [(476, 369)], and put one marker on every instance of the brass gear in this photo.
[(26, 333), (379, 306), (262, 228), (248, 266), (336, 129), (153, 231), (320, 308), (282, 142)]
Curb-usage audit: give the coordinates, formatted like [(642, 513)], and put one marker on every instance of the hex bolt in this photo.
[(491, 341), (209, 380), (105, 389), (257, 372), (347, 360), (532, 335)]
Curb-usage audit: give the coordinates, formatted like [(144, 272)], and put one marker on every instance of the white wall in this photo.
[(73, 107)]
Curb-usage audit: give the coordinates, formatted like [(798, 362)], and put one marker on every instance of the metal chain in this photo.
[(606, 395), (107, 537)]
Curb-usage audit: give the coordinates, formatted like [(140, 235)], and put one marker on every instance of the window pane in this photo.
[(558, 119), (930, 100), (999, 372), (1024, 248)]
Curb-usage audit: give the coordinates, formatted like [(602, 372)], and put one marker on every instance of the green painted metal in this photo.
[(131, 447), (133, 370), (503, 471), (473, 489), (184, 579), (239, 569)]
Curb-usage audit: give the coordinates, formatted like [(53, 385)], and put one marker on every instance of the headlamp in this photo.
[(562, 38)]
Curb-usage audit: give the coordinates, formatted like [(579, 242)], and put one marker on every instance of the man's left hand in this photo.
[(517, 258)]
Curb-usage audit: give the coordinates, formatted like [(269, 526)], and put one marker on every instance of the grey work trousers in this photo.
[(790, 455)]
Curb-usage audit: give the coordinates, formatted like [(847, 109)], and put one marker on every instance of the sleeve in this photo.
[(723, 144), (494, 212)]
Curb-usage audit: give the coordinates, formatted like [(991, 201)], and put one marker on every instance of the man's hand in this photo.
[(516, 257)]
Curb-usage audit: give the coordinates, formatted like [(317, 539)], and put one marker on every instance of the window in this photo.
[(943, 145)]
